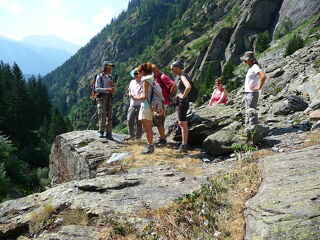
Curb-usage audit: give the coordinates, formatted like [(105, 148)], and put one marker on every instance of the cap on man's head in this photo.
[(107, 63), (177, 64), (249, 55)]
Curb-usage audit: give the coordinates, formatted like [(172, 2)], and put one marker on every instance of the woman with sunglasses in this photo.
[(182, 102), (219, 95), (145, 113), (134, 90)]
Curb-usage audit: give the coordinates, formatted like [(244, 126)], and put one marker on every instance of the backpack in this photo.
[(193, 94), (157, 100), (93, 94)]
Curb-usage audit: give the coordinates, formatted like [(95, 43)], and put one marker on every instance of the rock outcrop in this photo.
[(77, 155), (249, 25), (124, 192), (298, 11), (287, 203)]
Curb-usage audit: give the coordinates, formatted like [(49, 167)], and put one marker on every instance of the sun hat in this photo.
[(177, 64), (249, 55), (132, 72)]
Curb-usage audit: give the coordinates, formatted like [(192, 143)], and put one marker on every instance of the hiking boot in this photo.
[(101, 134), (149, 149), (109, 136), (161, 142), (183, 148)]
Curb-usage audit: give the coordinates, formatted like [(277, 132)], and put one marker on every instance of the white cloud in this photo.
[(11, 7), (104, 16), (71, 29), (55, 5)]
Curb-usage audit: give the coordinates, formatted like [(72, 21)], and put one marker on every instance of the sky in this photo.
[(76, 21)]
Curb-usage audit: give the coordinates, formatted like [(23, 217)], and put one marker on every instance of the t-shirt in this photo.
[(252, 78), (165, 83), (150, 80), (135, 89)]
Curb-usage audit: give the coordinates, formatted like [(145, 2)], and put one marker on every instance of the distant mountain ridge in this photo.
[(36, 54), (51, 41)]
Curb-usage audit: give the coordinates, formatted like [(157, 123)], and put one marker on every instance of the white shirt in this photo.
[(135, 89), (252, 78)]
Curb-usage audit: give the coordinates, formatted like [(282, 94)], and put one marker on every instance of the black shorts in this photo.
[(182, 106)]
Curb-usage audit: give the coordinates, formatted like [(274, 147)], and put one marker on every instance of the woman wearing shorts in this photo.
[(182, 102), (145, 113)]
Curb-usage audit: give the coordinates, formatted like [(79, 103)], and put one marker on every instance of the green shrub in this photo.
[(121, 129), (295, 43), (244, 148), (227, 72), (262, 42), (227, 75), (284, 28), (4, 181)]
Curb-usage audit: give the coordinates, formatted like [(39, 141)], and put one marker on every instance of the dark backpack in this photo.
[(193, 94)]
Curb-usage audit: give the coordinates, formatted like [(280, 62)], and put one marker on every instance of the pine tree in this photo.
[(262, 42), (18, 114), (57, 125), (295, 43)]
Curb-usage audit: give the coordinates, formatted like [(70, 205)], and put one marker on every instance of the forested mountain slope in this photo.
[(209, 35)]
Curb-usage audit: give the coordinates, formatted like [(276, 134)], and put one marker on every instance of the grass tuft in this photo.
[(40, 219)]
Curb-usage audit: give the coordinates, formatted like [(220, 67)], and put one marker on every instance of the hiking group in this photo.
[(151, 92)]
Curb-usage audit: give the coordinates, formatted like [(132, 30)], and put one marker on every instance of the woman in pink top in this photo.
[(219, 95)]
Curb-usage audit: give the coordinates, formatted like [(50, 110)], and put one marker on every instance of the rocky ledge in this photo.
[(287, 205)]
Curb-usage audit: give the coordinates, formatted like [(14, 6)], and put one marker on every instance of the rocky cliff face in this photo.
[(298, 11), (205, 36)]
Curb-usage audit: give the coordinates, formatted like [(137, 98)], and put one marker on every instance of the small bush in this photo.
[(262, 42), (40, 218), (121, 129), (244, 148), (295, 43), (227, 72), (284, 28), (227, 75)]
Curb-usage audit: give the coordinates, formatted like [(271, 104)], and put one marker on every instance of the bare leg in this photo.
[(185, 131), (147, 127)]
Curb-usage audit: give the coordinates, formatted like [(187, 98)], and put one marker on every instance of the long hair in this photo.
[(145, 67)]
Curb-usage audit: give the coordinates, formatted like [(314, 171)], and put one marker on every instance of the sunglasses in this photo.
[(135, 73)]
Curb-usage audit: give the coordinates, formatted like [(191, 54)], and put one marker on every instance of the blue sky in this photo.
[(73, 20)]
